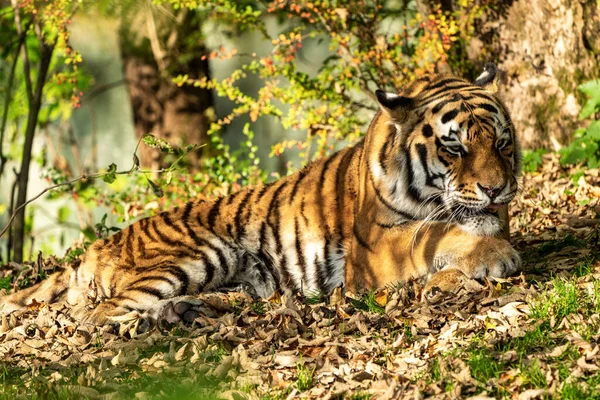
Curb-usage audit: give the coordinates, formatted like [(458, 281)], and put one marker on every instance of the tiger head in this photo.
[(447, 151)]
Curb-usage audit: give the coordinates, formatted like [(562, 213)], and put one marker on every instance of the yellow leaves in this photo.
[(381, 297)]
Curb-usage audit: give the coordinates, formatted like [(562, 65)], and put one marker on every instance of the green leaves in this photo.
[(592, 90), (532, 159), (586, 146), (158, 192), (110, 176), (157, 143)]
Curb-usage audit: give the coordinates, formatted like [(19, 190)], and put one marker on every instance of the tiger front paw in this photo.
[(492, 257)]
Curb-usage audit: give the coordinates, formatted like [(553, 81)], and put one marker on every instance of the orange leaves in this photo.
[(221, 54)]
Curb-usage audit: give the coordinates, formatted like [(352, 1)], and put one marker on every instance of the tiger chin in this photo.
[(424, 194)]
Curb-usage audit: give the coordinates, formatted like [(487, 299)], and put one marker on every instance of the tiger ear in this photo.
[(396, 106), (487, 79)]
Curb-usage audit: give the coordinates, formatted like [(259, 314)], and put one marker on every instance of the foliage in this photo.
[(532, 159), (585, 149), (373, 45)]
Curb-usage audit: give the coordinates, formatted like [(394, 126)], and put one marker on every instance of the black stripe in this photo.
[(275, 225), (263, 191), (57, 294), (321, 274), (436, 95), (327, 257), (214, 213), (359, 239), (429, 178), (141, 245), (209, 268), (411, 190), (389, 226), (438, 107), (389, 140), (173, 243), (382, 199), (301, 175), (151, 278), (232, 197), (129, 245), (180, 274), (147, 290), (439, 145), (488, 107), (201, 242), (239, 228), (427, 130), (340, 188), (166, 218), (187, 210), (300, 250), (302, 211), (263, 256), (450, 115), (444, 82)]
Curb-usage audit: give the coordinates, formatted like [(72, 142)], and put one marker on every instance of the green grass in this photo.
[(305, 377), (533, 375), (483, 365), (585, 266), (368, 303), (191, 384), (258, 307), (359, 396)]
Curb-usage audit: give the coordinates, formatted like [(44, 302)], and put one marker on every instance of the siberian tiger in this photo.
[(426, 190)]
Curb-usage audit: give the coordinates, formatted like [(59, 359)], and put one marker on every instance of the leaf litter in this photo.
[(531, 336)]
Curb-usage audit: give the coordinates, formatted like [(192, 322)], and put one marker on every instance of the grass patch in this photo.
[(359, 396), (305, 377), (483, 365), (533, 375), (367, 302)]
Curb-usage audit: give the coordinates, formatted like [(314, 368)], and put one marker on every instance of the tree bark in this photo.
[(545, 48), (176, 114)]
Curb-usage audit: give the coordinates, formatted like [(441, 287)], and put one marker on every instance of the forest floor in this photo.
[(535, 335)]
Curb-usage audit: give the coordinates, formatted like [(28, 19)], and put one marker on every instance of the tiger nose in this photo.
[(491, 191)]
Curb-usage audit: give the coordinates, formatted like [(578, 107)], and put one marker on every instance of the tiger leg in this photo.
[(163, 293), (414, 250), (54, 288)]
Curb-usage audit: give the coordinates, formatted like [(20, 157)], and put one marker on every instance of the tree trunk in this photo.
[(176, 114), (546, 48), (18, 232)]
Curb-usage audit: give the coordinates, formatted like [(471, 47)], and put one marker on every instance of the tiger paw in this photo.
[(177, 310), (491, 257), (448, 282)]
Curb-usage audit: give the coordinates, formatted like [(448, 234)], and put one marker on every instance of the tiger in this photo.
[(424, 194)]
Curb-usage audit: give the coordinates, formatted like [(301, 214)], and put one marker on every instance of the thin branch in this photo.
[(134, 168), (157, 51), (102, 88)]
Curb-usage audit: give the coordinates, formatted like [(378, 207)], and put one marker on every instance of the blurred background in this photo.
[(130, 107)]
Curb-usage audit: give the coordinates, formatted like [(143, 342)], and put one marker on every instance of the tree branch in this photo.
[(11, 79)]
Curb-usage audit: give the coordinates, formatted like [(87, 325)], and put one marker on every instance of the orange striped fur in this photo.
[(425, 191)]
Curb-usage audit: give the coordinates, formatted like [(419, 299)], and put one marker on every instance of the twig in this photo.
[(157, 51), (134, 168), (101, 89)]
